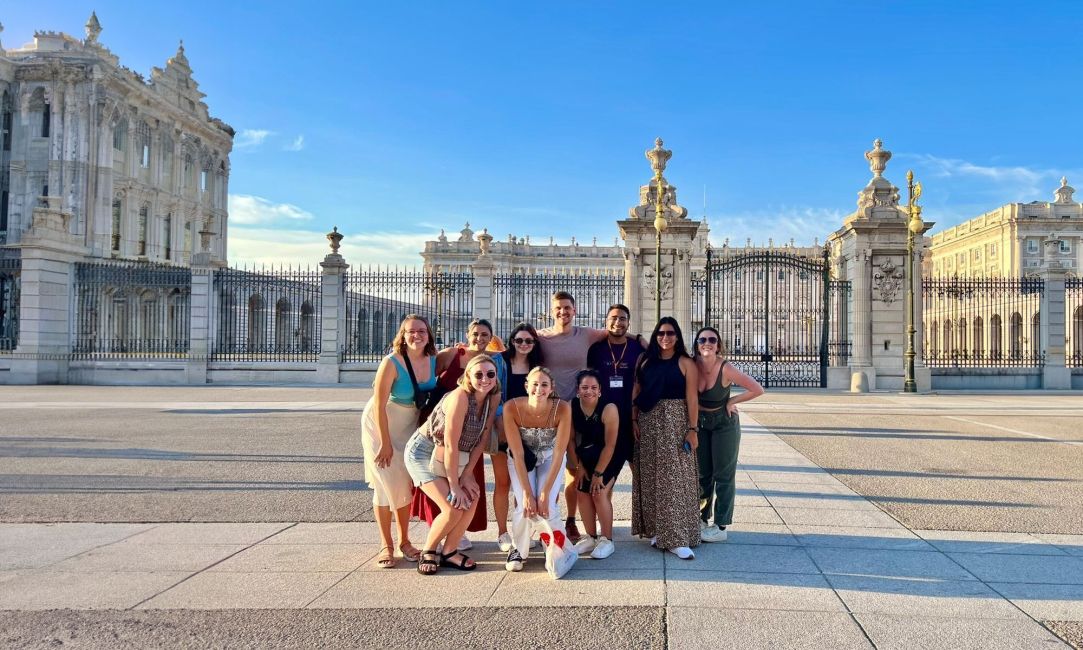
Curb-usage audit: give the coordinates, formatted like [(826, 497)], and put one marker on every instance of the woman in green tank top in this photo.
[(719, 432)]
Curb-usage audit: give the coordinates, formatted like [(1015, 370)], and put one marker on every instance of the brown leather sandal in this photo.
[(410, 552), (386, 559)]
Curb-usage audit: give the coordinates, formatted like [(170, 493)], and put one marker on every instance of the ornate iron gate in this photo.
[(781, 316)]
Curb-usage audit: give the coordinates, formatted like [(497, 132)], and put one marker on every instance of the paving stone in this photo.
[(959, 541), (906, 633), (533, 586), (1043, 569), (204, 533), (835, 517), (756, 516), (822, 501), (738, 590), (922, 597), (28, 546), (141, 557), (1070, 544), (262, 590), (898, 539), (44, 589), (629, 556), (745, 558), (695, 627), (403, 587), (767, 534), (1044, 602), (887, 564), (346, 532), (305, 558)]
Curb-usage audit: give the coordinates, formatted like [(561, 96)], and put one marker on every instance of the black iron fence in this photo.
[(9, 303), (991, 322), (131, 310), (267, 315), (527, 298), (377, 300), (1073, 317)]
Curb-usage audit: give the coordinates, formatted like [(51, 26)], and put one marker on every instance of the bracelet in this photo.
[(696, 429), (599, 474)]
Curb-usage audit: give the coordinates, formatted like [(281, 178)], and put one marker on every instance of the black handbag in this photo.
[(424, 400)]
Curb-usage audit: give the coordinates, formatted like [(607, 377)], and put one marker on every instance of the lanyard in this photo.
[(616, 361)]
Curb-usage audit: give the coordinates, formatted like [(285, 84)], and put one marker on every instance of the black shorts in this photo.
[(588, 458)]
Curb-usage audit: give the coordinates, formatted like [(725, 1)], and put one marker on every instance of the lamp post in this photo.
[(658, 157), (913, 227)]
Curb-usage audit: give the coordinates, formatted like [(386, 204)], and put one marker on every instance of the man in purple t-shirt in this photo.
[(615, 360)]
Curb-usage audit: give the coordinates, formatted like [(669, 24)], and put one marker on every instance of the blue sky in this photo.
[(393, 119)]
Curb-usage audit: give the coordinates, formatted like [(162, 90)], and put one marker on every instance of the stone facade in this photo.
[(1008, 242), (139, 164)]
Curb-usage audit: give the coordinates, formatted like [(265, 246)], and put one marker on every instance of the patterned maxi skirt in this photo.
[(665, 484)]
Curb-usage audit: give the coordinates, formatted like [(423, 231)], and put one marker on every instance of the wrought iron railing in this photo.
[(9, 303), (131, 310), (267, 314), (527, 297), (378, 299), (1073, 321), (982, 323)]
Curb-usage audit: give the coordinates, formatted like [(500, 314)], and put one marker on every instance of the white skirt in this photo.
[(391, 485)]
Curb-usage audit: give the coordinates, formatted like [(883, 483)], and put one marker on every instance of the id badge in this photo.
[(616, 382)]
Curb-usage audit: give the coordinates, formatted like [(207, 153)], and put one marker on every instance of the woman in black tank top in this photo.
[(596, 424), (719, 432)]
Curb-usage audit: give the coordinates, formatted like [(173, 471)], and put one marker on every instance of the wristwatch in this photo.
[(599, 474)]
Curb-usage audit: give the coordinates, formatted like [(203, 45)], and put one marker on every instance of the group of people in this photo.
[(559, 411)]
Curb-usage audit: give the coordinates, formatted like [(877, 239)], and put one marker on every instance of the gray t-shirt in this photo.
[(565, 355)]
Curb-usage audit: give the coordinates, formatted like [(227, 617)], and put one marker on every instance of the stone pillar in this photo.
[(204, 307), (873, 240), (333, 313), (46, 313), (484, 270), (1055, 373)]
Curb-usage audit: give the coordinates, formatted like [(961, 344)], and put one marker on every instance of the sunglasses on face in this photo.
[(484, 375), (707, 339), (666, 333), (523, 341)]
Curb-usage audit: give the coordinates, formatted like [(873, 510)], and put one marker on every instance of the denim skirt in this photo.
[(419, 450)]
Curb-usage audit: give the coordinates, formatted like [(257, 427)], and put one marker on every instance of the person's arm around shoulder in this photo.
[(515, 450), (386, 375), (564, 434), (732, 375), (691, 397)]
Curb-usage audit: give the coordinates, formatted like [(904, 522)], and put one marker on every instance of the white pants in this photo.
[(521, 527)]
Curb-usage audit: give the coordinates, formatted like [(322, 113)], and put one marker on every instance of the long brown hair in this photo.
[(399, 346)]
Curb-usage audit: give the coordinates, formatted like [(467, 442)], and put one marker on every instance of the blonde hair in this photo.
[(464, 380), (547, 372)]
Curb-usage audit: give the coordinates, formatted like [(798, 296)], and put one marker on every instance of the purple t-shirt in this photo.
[(565, 355)]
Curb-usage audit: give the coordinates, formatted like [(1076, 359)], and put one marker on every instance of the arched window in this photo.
[(150, 334), (167, 161), (1077, 334), (144, 214), (120, 136), (979, 338), (949, 348), (39, 113), (377, 323), (142, 143), (996, 337), (389, 330), (1015, 336), (308, 326), (362, 340), (1035, 348), (257, 322), (114, 237), (963, 350), (167, 236), (283, 331)]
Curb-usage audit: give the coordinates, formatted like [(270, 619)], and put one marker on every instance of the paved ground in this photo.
[(811, 562)]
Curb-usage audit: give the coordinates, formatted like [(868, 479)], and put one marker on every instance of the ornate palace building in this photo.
[(1008, 242), (139, 164)]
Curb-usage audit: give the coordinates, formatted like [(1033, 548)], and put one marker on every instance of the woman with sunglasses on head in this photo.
[(450, 364), (719, 432), (542, 424), (441, 457), (522, 355), (388, 421), (665, 412)]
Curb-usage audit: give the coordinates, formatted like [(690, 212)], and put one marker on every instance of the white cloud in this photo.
[(803, 224), (297, 144), (249, 138), (1008, 183), (267, 246), (245, 209)]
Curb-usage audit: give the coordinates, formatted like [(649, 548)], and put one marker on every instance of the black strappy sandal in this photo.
[(445, 560), (429, 562)]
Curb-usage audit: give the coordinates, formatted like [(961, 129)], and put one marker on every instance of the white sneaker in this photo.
[(713, 533), (504, 542), (702, 524), (585, 545), (654, 542), (683, 552), (603, 549), (465, 544)]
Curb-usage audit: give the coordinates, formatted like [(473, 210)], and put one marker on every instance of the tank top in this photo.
[(588, 430), (516, 385), (659, 379), (402, 390), (717, 395), (434, 427), (540, 439)]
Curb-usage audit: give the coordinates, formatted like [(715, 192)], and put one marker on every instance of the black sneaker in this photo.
[(515, 561)]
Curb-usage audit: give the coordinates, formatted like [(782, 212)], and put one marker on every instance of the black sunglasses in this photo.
[(707, 339), (481, 375), (523, 341), (664, 333)]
